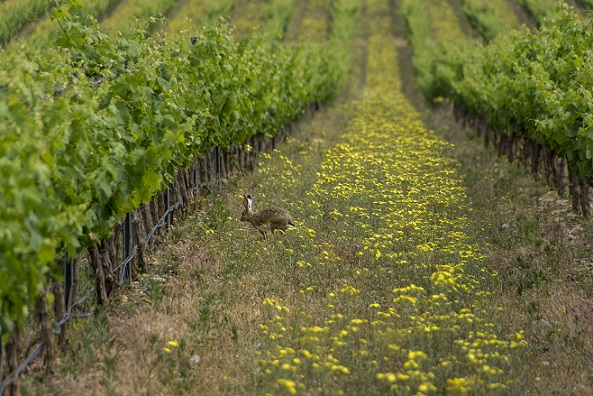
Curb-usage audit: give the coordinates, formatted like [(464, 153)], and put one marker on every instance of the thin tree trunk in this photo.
[(107, 250), (562, 176), (535, 159)]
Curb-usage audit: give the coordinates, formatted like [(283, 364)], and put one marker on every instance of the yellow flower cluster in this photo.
[(171, 344), (392, 297)]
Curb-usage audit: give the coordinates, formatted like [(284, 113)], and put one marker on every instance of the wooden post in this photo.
[(49, 347), (585, 197), (60, 309), (13, 350), (138, 239), (127, 245), (97, 265)]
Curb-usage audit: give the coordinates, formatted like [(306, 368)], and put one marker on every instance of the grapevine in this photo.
[(95, 127)]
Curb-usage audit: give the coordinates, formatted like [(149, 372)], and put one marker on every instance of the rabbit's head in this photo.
[(248, 212)]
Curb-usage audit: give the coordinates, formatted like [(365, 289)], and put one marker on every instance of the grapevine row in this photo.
[(46, 31), (532, 85), (429, 33), (14, 14), (541, 9), (278, 18), (490, 17), (93, 129)]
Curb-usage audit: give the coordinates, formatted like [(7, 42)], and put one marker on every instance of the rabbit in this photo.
[(269, 219)]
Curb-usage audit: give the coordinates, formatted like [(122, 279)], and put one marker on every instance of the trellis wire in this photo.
[(21, 368), (122, 277)]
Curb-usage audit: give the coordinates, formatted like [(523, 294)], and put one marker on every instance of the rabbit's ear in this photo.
[(249, 202), (245, 202)]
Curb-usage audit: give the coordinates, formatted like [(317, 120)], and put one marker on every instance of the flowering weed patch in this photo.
[(391, 296)]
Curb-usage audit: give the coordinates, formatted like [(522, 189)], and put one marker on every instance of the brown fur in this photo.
[(271, 219)]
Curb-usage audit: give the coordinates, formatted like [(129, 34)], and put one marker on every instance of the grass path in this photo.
[(189, 15), (123, 16), (249, 15)]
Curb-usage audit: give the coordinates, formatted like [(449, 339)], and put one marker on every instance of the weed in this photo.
[(204, 314), (109, 368), (216, 215), (154, 290)]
